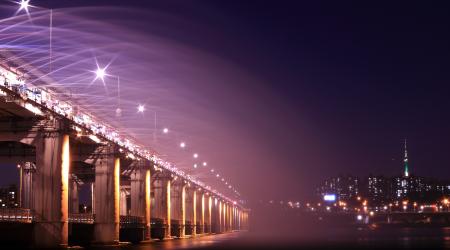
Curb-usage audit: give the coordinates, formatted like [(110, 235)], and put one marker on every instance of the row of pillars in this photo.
[(157, 195)]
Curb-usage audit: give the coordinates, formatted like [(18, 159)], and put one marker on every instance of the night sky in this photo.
[(337, 86)]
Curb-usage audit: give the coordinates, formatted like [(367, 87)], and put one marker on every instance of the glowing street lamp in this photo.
[(100, 73), (141, 108), (24, 4), (195, 165), (196, 155), (165, 130), (182, 145), (205, 164)]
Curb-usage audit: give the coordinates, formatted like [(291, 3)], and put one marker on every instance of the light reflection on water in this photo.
[(189, 243), (355, 237)]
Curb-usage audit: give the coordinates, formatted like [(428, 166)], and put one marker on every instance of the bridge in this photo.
[(136, 196)]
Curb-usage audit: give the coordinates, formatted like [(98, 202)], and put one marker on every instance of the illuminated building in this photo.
[(382, 190), (344, 187), (9, 197)]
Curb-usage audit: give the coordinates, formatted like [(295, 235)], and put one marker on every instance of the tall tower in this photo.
[(405, 162)]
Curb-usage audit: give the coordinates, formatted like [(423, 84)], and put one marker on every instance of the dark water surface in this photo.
[(332, 238)]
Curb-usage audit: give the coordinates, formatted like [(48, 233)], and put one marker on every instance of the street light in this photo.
[(205, 164), (141, 108), (165, 130), (24, 4), (100, 73), (196, 155), (182, 145)]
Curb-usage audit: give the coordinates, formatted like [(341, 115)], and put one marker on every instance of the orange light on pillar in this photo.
[(168, 209), (147, 203), (65, 166), (117, 196)]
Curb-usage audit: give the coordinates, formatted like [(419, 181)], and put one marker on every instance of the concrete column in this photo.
[(123, 202), (220, 217), (183, 211), (107, 199), (224, 210), (199, 215), (230, 217), (162, 202), (178, 207), (236, 218), (202, 218), (189, 208), (147, 204), (233, 217), (227, 216), (137, 193), (27, 185), (93, 197), (73, 197), (140, 197), (167, 208), (240, 220), (194, 214), (215, 216), (50, 189), (209, 215)]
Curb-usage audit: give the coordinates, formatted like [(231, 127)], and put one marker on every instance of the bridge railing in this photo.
[(84, 218), (21, 215), (128, 221)]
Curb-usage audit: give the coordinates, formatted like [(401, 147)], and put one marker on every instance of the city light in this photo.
[(204, 164), (329, 197), (195, 165), (195, 155), (165, 130), (182, 145)]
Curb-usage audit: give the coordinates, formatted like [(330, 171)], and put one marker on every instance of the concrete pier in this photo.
[(107, 198), (50, 188)]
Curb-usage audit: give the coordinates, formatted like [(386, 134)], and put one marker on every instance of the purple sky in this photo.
[(276, 96)]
